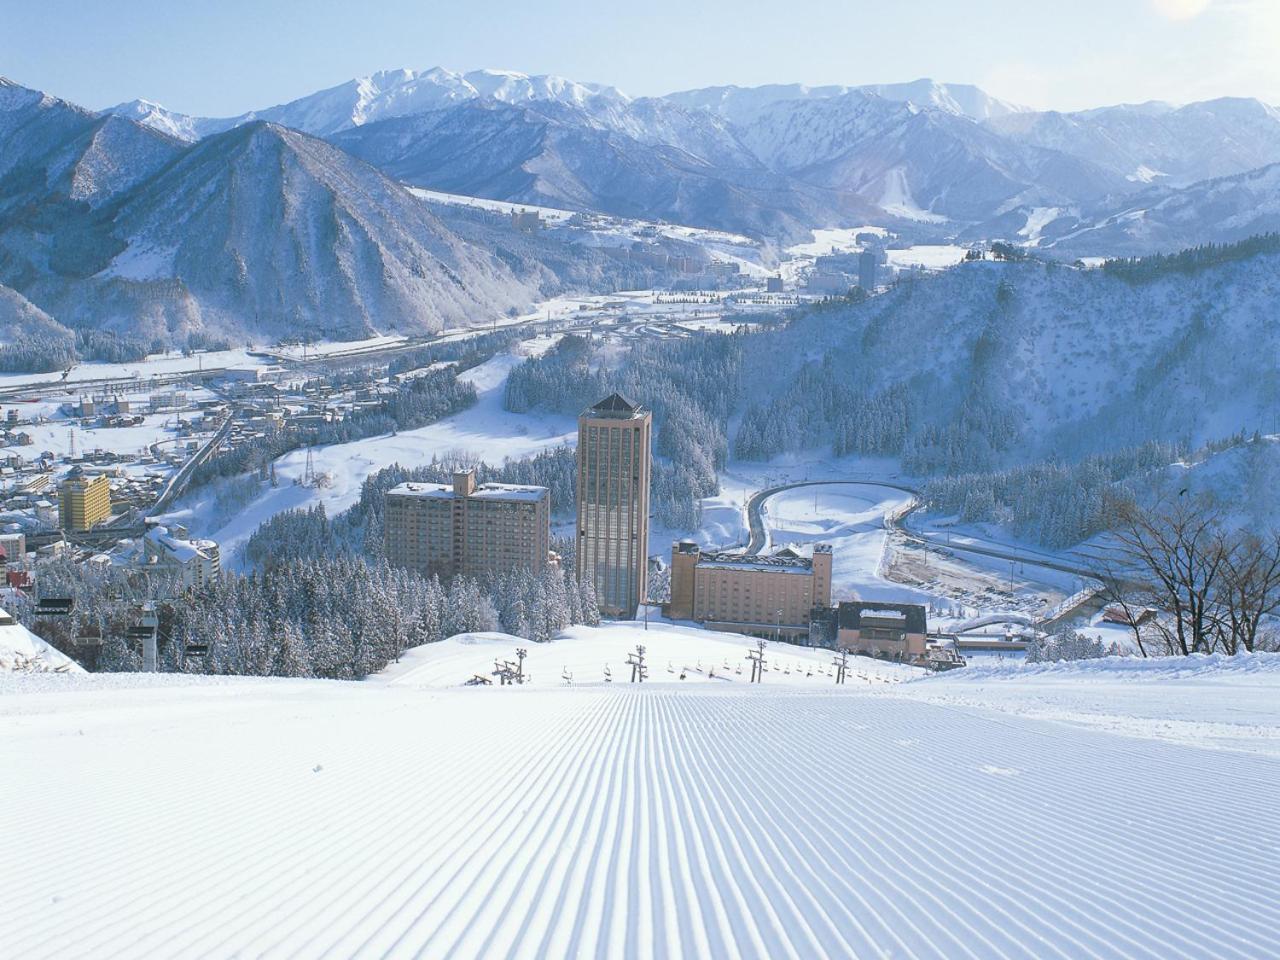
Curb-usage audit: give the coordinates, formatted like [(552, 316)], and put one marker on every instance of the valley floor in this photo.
[(985, 814)]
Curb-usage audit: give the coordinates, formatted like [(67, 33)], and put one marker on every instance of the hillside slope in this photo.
[(996, 363)]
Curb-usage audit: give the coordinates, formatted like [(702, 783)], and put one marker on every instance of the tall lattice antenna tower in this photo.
[(309, 473)]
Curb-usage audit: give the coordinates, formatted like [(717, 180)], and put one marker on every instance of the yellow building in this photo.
[(83, 501)]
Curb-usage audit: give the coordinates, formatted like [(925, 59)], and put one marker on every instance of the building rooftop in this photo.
[(486, 491), (785, 560), (614, 407), (183, 550), (912, 615)]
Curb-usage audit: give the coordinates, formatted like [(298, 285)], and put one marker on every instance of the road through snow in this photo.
[(174, 817)]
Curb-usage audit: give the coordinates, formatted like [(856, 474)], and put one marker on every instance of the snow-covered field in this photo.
[(594, 655), (851, 519), (927, 256), (834, 240), (990, 815)]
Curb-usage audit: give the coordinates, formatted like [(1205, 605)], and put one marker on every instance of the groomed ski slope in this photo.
[(205, 817)]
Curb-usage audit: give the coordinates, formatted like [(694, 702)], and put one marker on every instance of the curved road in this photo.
[(755, 521)]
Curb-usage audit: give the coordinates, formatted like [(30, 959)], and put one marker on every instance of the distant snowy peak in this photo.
[(959, 99), (513, 87), (387, 95), (744, 105), (1157, 141), (156, 117)]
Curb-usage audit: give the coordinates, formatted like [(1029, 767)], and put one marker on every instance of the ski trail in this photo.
[(622, 821)]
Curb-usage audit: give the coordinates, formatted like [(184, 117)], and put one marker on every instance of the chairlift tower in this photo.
[(639, 672), (757, 659), (842, 665)]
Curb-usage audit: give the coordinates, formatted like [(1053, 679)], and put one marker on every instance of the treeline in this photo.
[(345, 617), (691, 385), (340, 616), (818, 409), (46, 352), (415, 403), (1069, 645), (1149, 268), (1054, 504), (40, 353), (562, 380), (833, 400)]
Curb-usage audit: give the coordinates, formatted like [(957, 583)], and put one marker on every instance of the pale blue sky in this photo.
[(222, 58)]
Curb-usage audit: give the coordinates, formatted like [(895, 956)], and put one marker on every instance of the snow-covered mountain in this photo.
[(388, 94), (915, 162), (108, 224), (266, 222), (1027, 361), (775, 158), (51, 149), (1157, 142), (1221, 210), (554, 155), (742, 105)]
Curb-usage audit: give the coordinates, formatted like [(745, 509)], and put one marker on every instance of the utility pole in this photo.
[(757, 659), (842, 665), (639, 672), (777, 629)]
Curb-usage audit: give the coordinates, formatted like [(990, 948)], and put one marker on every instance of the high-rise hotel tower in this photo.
[(613, 502)]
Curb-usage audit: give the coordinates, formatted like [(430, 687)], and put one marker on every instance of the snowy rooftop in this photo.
[(615, 407), (182, 550), (786, 560), (486, 491)]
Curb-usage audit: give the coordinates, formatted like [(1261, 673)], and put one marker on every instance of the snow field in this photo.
[(205, 817), (851, 519), (583, 653)]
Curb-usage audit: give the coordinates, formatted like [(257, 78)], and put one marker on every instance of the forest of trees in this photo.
[(1054, 504), (692, 386), (38, 353), (336, 616), (1155, 266), (1068, 645)]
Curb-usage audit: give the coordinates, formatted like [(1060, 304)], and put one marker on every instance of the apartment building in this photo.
[(170, 550), (769, 595), (83, 501), (613, 502), (455, 528)]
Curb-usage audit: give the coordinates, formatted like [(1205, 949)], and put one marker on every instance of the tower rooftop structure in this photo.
[(614, 407)]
